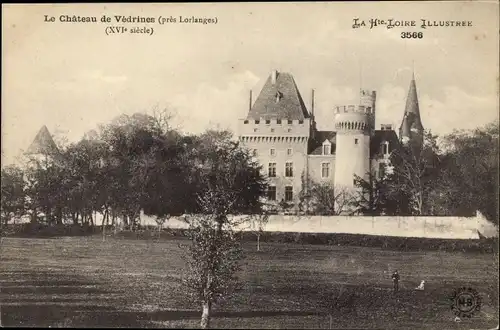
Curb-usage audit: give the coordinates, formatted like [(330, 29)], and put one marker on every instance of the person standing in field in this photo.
[(395, 281)]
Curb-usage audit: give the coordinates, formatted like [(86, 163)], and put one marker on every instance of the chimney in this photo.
[(250, 104), (312, 103), (274, 75)]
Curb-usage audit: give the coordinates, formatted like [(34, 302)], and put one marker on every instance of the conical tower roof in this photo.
[(43, 144), (412, 99), (279, 99), (412, 123)]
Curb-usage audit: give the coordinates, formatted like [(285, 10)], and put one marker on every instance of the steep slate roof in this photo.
[(411, 118), (43, 143), (380, 136), (289, 107), (320, 137)]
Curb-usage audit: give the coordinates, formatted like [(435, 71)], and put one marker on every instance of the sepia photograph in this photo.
[(294, 165)]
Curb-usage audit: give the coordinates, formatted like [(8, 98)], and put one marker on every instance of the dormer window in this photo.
[(327, 148), (385, 148), (278, 96)]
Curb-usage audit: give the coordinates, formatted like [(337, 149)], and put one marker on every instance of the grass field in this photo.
[(85, 282)]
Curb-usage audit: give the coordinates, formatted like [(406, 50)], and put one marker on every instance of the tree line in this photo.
[(139, 163), (135, 163)]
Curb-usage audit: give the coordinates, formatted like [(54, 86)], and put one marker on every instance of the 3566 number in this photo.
[(412, 35)]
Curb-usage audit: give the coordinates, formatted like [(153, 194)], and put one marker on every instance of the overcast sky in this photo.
[(72, 76)]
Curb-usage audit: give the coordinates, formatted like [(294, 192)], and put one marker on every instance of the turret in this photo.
[(411, 131), (354, 125), (43, 150)]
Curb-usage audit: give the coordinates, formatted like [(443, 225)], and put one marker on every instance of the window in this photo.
[(288, 194), (355, 141), (245, 122), (268, 122), (325, 170), (326, 149), (257, 121), (289, 169), (289, 130), (290, 122), (272, 152), (272, 130), (271, 193), (278, 95), (385, 148), (278, 121), (272, 170), (301, 121), (289, 151), (255, 130)]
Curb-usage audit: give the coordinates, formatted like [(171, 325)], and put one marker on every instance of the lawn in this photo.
[(85, 282)]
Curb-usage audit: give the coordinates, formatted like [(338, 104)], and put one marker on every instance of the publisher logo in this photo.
[(465, 302)]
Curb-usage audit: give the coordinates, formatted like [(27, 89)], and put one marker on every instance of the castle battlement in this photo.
[(263, 121), (274, 127), (354, 108)]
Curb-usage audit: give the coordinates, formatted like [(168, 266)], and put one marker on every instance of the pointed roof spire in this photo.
[(43, 143), (411, 127), (412, 99)]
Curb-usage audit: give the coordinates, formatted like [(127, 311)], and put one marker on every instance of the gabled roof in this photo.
[(43, 144), (279, 100), (320, 137)]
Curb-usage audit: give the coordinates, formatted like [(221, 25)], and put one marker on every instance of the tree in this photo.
[(379, 196), (12, 197), (412, 175), (85, 180), (325, 198), (160, 221), (258, 222), (44, 190), (469, 178), (228, 183)]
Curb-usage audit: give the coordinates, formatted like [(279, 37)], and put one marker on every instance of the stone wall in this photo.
[(428, 227)]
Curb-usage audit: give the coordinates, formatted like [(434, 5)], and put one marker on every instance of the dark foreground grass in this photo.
[(85, 282)]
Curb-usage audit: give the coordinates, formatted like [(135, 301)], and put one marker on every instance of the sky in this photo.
[(72, 76)]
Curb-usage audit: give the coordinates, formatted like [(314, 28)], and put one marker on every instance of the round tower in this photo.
[(354, 125)]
